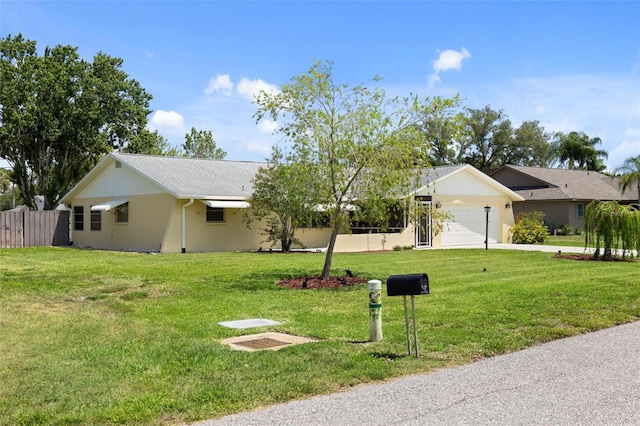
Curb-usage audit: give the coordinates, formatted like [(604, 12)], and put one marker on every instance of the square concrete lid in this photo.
[(270, 341), (248, 323)]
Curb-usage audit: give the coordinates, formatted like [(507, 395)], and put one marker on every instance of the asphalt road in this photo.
[(592, 379)]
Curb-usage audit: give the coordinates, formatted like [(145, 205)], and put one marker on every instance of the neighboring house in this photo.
[(561, 194), (174, 204)]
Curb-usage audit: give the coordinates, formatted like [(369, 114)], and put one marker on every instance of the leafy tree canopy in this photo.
[(200, 144), (150, 143), (630, 171), (487, 141), (576, 150), (357, 144), (59, 114), (283, 196)]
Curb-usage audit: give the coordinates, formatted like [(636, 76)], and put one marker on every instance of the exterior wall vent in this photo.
[(118, 164)]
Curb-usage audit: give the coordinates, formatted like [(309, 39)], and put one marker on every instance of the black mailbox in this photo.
[(407, 285)]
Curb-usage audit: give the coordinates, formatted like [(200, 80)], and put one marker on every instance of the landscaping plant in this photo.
[(609, 224), (529, 228)]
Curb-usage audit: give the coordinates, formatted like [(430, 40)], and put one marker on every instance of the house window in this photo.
[(580, 210), (398, 222), (215, 215), (96, 220), (78, 218), (122, 213)]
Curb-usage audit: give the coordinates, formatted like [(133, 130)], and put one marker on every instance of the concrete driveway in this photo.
[(592, 379)]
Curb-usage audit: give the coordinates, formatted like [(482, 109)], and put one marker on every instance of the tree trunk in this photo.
[(329, 257)]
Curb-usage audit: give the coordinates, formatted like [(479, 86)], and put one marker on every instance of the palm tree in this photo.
[(630, 171), (577, 150)]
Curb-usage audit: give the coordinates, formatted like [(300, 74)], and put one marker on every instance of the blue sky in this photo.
[(570, 65)]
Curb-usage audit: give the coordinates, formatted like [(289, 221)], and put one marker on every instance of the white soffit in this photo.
[(225, 204), (108, 206)]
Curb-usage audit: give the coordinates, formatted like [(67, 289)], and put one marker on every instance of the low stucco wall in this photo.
[(373, 242)]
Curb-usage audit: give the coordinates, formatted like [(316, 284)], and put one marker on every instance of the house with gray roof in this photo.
[(177, 204), (561, 194)]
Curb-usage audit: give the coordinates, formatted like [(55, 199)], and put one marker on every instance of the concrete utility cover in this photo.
[(248, 323), (271, 341)]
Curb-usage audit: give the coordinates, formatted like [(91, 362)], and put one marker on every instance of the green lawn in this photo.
[(561, 240), (98, 337)]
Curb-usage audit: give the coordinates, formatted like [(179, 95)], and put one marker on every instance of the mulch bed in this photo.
[(316, 282), (590, 257)]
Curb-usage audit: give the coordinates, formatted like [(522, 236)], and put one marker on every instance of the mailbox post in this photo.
[(375, 310), (409, 285)]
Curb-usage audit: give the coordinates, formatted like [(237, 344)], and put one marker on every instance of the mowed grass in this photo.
[(568, 240), (98, 337)]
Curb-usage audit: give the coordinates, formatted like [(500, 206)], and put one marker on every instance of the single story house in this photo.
[(177, 204), (561, 194)]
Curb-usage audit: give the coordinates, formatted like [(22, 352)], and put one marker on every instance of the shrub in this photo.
[(568, 230), (530, 228)]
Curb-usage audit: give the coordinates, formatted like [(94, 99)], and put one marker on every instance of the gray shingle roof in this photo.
[(194, 177), (564, 184), (438, 172)]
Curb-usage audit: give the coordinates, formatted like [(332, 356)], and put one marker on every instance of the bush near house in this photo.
[(530, 228)]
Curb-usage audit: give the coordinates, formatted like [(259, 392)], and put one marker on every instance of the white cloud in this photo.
[(250, 89), (623, 151), (220, 83), (267, 126), (261, 147), (166, 120), (448, 60)]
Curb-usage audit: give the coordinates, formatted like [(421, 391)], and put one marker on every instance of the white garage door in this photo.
[(468, 226)]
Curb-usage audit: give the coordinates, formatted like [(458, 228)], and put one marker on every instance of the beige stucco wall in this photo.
[(232, 235), (374, 242), (148, 215)]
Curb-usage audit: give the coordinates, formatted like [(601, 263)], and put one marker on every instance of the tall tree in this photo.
[(60, 114), (532, 145), (576, 150), (443, 133), (630, 171), (200, 144), (487, 143), (151, 143), (360, 145)]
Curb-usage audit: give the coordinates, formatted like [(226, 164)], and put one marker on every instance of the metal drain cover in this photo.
[(271, 341), (264, 343)]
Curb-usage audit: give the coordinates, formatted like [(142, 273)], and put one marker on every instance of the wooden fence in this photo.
[(34, 228)]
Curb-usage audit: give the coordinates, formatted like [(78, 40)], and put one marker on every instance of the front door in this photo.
[(423, 227)]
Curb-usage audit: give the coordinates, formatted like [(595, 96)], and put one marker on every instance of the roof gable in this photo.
[(461, 180)]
